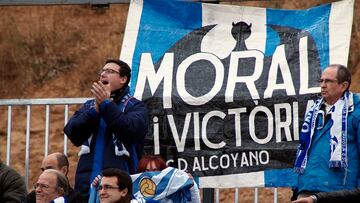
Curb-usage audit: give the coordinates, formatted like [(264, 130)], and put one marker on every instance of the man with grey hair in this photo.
[(59, 162), (328, 157), (51, 185)]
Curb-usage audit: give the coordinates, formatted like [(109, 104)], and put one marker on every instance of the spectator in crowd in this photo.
[(348, 196), (150, 163), (51, 186), (328, 156), (12, 185), (110, 128), (59, 162), (114, 186)]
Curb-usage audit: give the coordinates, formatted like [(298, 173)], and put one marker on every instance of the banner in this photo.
[(227, 86)]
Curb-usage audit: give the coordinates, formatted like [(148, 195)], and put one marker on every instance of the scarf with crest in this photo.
[(338, 133)]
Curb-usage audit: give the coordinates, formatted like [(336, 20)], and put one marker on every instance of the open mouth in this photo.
[(105, 82)]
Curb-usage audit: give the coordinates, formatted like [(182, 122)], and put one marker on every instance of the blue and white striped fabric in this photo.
[(168, 185), (94, 196), (164, 38)]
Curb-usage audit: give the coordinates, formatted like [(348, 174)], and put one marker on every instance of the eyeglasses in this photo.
[(107, 187), (108, 71), (327, 81), (41, 186)]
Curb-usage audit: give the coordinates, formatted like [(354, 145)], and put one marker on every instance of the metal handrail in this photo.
[(50, 101), (59, 2), (28, 103), (208, 194)]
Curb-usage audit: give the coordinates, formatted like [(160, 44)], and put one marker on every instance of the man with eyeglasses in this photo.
[(59, 162), (109, 128), (113, 186), (328, 157), (51, 186)]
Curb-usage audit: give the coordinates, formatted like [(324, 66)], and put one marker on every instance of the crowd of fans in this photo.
[(111, 128), (111, 186)]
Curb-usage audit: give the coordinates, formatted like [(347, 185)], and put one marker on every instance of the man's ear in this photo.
[(123, 79), (64, 170), (61, 191), (345, 85), (124, 192)]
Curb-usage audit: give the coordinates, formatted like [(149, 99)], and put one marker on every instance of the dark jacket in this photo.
[(12, 185), (129, 124), (73, 197), (348, 196)]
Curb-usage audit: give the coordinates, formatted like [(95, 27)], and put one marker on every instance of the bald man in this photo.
[(57, 161)]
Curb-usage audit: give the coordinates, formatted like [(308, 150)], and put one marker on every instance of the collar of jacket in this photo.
[(118, 94)]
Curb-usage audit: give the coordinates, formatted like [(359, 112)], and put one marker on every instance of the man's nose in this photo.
[(38, 190), (323, 84), (102, 191)]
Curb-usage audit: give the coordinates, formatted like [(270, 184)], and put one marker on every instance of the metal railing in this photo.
[(70, 2), (58, 2), (10, 103), (209, 195)]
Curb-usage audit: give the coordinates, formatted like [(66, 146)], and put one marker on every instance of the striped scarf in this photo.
[(338, 133), (119, 148), (166, 186)]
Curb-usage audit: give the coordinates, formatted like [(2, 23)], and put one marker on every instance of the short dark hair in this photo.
[(343, 74), (123, 179), (124, 68)]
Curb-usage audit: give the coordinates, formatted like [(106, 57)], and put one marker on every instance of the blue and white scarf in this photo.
[(167, 186), (338, 133), (170, 185), (119, 149)]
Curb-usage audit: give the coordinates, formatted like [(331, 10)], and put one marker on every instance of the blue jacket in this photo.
[(318, 177), (127, 122)]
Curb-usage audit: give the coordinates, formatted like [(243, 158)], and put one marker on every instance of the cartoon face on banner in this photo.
[(227, 86)]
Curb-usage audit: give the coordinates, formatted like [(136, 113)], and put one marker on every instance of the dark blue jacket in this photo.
[(129, 125)]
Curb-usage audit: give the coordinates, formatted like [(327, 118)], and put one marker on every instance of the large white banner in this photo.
[(227, 86)]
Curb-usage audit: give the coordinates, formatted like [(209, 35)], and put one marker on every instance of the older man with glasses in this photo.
[(59, 162), (51, 186), (328, 157)]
